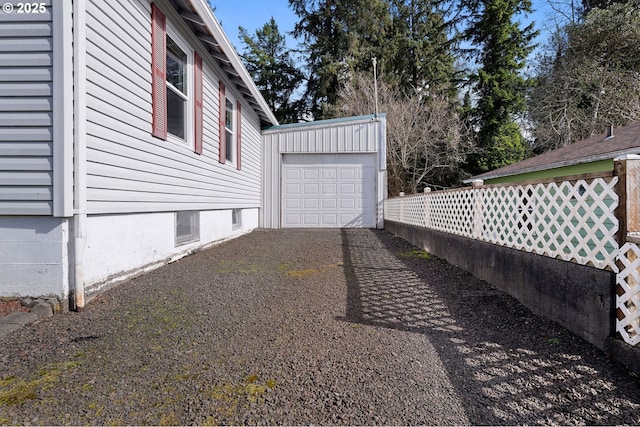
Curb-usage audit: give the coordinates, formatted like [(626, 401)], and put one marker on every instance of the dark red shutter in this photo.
[(197, 60), (239, 136), (159, 72), (222, 123)]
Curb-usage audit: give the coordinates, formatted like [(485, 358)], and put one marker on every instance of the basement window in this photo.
[(236, 218), (187, 227)]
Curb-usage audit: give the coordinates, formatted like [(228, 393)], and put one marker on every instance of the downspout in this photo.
[(79, 152)]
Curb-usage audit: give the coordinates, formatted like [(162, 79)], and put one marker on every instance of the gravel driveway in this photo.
[(308, 327)]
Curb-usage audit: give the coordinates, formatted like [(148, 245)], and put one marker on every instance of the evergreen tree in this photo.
[(589, 5), (423, 59), (502, 47), (273, 69), (339, 37)]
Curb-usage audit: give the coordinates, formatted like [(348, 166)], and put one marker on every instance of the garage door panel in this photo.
[(329, 174), (311, 188), (311, 220), (329, 189), (293, 219), (292, 203), (349, 174), (348, 204), (330, 219), (310, 174), (348, 189), (329, 204), (311, 203), (292, 173), (332, 190)]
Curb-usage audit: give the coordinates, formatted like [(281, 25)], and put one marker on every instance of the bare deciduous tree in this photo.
[(424, 138), (589, 79)]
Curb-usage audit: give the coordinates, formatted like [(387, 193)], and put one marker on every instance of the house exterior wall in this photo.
[(579, 169), (364, 134), (35, 142), (93, 195), (33, 256), (128, 170), (150, 242), (26, 111), (135, 182)]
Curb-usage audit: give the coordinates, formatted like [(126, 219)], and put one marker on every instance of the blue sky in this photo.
[(253, 14)]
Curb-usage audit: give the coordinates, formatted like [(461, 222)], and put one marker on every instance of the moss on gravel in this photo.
[(15, 390)]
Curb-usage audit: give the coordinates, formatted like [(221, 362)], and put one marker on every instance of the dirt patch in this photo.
[(8, 307)]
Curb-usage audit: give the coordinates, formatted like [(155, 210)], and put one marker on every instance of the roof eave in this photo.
[(204, 11), (590, 159)]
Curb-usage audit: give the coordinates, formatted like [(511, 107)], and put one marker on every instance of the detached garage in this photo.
[(328, 174)]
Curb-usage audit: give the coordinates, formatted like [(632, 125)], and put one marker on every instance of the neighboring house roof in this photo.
[(200, 18), (625, 140)]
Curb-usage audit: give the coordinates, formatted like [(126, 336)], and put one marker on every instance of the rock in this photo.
[(42, 309), (55, 304)]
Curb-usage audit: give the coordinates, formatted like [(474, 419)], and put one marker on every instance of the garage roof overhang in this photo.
[(324, 123), (199, 17)]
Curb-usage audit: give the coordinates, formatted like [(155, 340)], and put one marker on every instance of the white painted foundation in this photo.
[(34, 256), (123, 246)]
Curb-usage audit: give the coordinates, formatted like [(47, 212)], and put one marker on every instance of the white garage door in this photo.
[(329, 190)]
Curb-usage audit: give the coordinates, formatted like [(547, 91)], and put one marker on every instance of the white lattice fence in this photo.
[(628, 293), (407, 210), (571, 220), (451, 211), (574, 221)]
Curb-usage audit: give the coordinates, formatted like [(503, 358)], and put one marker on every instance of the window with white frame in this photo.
[(229, 130), (179, 103), (177, 84), (176, 89)]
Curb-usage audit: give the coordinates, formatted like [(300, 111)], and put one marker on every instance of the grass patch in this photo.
[(168, 420), (236, 266), (291, 271), (14, 391), (302, 273), (415, 253), (554, 341), (233, 398)]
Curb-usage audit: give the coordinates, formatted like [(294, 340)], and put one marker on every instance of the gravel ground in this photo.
[(341, 327)]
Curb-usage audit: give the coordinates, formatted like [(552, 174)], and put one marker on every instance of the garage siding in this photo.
[(329, 173)]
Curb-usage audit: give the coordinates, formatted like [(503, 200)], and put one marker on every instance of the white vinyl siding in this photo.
[(130, 171), (26, 112)]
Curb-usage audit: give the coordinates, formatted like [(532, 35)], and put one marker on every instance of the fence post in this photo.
[(478, 208), (427, 207), (402, 220), (627, 168)]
